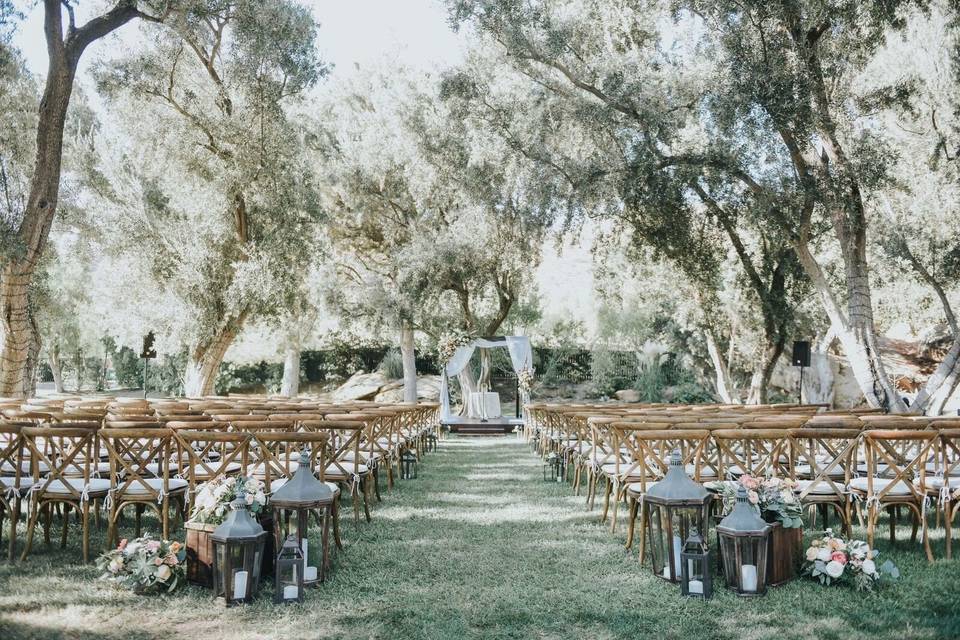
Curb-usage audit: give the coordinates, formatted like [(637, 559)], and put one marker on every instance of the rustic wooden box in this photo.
[(200, 553)]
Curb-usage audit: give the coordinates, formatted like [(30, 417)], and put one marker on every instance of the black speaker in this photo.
[(801, 353), (148, 350)]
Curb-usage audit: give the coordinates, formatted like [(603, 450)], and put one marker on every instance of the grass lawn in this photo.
[(479, 546)]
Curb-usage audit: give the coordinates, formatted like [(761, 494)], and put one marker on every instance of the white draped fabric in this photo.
[(521, 357)]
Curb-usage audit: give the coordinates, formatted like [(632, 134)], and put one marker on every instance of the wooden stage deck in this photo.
[(476, 427)]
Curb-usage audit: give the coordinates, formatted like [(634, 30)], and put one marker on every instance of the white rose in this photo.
[(834, 569), (163, 573), (869, 567), (823, 554)]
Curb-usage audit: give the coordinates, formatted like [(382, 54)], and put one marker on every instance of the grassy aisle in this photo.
[(480, 547)]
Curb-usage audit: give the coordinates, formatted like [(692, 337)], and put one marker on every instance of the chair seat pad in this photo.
[(901, 488), (346, 466), (935, 484), (636, 488), (706, 471), (820, 487), (10, 481), (174, 485), (836, 473), (96, 486), (610, 469)]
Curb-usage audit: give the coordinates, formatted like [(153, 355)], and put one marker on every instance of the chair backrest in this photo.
[(752, 451), (59, 454), (137, 455), (11, 454), (277, 453), (824, 458), (897, 457), (344, 437), (204, 454)]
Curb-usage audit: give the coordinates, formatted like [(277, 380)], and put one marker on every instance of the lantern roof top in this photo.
[(303, 489), (743, 520), (677, 487), (239, 525)]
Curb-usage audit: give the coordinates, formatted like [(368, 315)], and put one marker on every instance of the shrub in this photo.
[(392, 364)]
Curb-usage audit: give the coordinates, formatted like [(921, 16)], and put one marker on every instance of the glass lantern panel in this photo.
[(656, 539)]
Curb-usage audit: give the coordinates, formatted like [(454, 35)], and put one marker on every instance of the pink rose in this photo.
[(753, 496), (158, 561), (122, 545), (749, 481), (837, 556)]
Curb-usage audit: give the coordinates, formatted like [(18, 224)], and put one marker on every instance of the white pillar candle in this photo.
[(239, 585), (695, 586), (677, 546), (303, 547), (666, 572), (290, 592), (310, 573), (748, 578)]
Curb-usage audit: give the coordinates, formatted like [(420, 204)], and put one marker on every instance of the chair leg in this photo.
[(31, 525), (871, 523), (335, 515), (643, 534), (65, 526), (365, 488), (84, 513), (376, 484), (947, 525), (47, 521), (14, 517), (606, 498), (631, 520)]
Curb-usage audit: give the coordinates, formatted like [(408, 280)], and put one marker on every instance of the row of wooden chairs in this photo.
[(145, 461), (839, 462)]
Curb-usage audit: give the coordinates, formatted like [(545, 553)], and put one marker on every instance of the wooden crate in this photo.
[(200, 554)]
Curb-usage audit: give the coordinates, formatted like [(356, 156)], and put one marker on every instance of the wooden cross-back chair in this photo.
[(140, 476), (652, 449), (343, 466), (823, 461), (896, 477), (944, 486), (375, 447), (279, 457), (202, 455), (59, 453)]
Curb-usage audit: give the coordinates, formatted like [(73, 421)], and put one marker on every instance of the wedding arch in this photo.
[(521, 357)]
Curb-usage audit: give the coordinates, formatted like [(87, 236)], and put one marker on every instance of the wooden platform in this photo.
[(476, 427)]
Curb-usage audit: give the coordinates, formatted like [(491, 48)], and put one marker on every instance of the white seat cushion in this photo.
[(706, 471), (611, 470), (636, 488), (10, 481), (95, 486), (901, 488), (938, 483), (822, 487), (136, 488), (7, 468), (346, 466), (805, 470)]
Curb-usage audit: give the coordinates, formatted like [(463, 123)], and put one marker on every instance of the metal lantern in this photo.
[(743, 537), (432, 441), (408, 462), (298, 498), (237, 555), (553, 467), (696, 578), (288, 573), (673, 507)]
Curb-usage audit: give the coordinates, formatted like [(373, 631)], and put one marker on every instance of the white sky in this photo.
[(415, 32)]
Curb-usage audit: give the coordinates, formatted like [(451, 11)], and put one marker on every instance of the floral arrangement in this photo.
[(831, 559), (525, 380), (212, 502), (774, 498), (448, 343), (144, 565)]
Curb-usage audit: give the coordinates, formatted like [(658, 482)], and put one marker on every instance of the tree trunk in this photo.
[(724, 385), (408, 356), (19, 338), (290, 386), (205, 360), (941, 384), (53, 358), (857, 335), (766, 363)]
